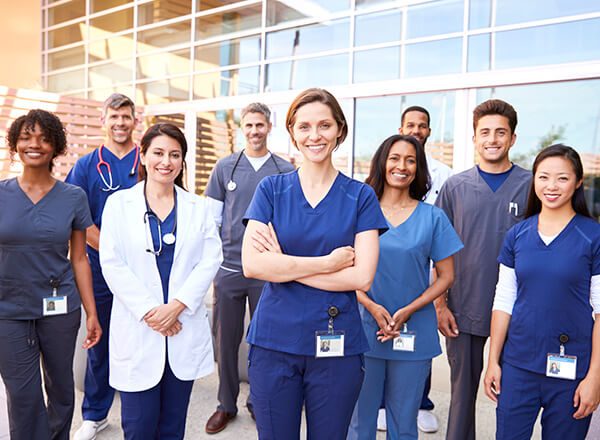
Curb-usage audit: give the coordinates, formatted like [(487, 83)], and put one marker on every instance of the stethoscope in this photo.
[(168, 238), (108, 185), (231, 185)]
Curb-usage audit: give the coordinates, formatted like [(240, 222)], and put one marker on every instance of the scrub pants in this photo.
[(280, 383), (158, 413), (99, 395), (524, 393), (465, 356), (403, 382), (229, 309), (22, 344)]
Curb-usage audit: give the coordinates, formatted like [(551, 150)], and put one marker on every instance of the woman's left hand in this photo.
[(265, 239), (94, 332), (587, 397), (400, 317), (163, 317)]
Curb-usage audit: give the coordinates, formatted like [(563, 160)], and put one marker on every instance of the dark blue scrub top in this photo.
[(289, 314), (34, 247), (164, 261), (553, 293), (85, 175)]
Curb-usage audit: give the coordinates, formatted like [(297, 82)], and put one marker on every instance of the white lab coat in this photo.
[(136, 352)]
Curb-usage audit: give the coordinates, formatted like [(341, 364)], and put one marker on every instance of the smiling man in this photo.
[(230, 190), (482, 203)]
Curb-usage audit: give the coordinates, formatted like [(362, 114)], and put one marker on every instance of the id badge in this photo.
[(561, 367), (54, 305), (404, 342), (329, 344)]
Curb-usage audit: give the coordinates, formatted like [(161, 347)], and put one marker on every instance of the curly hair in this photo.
[(50, 125)]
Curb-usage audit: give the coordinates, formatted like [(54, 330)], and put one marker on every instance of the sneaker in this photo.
[(427, 421), (89, 429), (381, 420)]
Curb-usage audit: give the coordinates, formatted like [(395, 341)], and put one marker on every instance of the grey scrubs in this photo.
[(481, 217), (34, 245), (231, 288)]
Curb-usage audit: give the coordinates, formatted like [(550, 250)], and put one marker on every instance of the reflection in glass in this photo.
[(557, 43), (248, 17), (66, 11), (434, 18), (66, 58), (362, 4), (166, 90), (518, 11), (164, 36), (109, 74), (227, 83), (433, 58), (159, 10), (204, 5), (66, 35), (282, 11), (225, 53), (66, 81), (101, 5), (112, 48), (311, 72), (114, 22), (480, 14), (308, 39), (386, 59), (163, 64), (379, 27), (478, 57)]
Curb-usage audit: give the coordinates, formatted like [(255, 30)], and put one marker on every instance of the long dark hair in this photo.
[(534, 205), (419, 187), (164, 129)]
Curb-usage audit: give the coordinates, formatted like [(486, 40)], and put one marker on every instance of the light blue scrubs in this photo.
[(553, 298), (283, 369), (98, 394), (405, 253)]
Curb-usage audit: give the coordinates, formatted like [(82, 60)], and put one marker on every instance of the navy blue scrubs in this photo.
[(283, 370)]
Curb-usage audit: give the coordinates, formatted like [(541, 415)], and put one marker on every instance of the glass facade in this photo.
[(378, 56)]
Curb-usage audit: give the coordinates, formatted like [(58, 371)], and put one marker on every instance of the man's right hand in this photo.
[(446, 321)]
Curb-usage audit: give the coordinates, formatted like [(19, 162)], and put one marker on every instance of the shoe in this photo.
[(251, 411), (381, 420), (218, 421), (89, 429), (427, 421)]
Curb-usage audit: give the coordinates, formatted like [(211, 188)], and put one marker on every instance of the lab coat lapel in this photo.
[(185, 209)]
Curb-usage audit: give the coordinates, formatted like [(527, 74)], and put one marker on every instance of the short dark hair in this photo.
[(415, 108), (257, 107), (50, 125), (164, 129), (419, 187), (117, 101), (309, 96), (495, 107), (534, 205)]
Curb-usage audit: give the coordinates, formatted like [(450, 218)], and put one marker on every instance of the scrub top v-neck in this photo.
[(289, 314), (34, 246), (164, 261)]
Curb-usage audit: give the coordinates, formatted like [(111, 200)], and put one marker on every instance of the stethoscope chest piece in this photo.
[(168, 238), (231, 185)]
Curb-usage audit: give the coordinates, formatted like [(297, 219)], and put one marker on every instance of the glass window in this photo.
[(241, 19), (517, 11), (163, 64), (478, 57), (101, 5), (66, 58), (282, 11), (100, 94), (113, 48), (227, 83), (440, 17), (66, 81), (362, 4), (480, 13), (308, 39), (164, 36), (65, 12), (433, 58), (159, 10), (225, 53), (66, 35), (380, 27), (115, 22), (312, 72), (204, 5), (386, 59), (557, 43), (166, 90), (109, 74)]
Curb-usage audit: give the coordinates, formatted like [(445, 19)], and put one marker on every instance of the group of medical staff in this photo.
[(358, 277)]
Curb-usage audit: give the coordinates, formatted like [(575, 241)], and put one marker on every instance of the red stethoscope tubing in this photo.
[(109, 184)]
